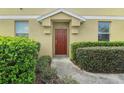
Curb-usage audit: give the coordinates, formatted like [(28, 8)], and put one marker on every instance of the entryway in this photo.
[(61, 38)]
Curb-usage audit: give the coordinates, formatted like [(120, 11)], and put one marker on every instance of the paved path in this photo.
[(66, 68)]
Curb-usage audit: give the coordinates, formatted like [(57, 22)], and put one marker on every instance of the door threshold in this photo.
[(60, 56)]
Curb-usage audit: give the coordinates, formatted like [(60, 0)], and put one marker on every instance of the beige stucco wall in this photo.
[(117, 30), (88, 31), (80, 11), (44, 33), (61, 16), (36, 33), (25, 11), (7, 27)]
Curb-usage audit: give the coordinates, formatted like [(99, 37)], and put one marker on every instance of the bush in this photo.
[(44, 69), (18, 57), (76, 45), (49, 75), (43, 63), (46, 74), (101, 59)]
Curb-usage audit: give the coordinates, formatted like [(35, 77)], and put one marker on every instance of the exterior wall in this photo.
[(44, 33), (61, 16), (46, 22), (25, 11), (117, 30), (98, 11), (80, 11), (88, 31), (75, 22), (36, 33), (7, 27)]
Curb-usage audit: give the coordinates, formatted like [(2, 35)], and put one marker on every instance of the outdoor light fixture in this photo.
[(21, 8)]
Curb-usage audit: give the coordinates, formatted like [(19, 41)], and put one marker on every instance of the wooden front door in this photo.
[(60, 41)]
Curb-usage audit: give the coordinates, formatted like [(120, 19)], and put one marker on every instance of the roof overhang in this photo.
[(40, 18)]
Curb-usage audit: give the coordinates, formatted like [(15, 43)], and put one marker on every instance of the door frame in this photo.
[(61, 27)]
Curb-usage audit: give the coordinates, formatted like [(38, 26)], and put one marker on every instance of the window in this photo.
[(22, 28), (103, 34)]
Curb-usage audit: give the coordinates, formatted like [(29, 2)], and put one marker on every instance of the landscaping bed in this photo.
[(45, 74)]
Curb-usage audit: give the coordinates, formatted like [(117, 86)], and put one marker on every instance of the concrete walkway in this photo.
[(66, 68)]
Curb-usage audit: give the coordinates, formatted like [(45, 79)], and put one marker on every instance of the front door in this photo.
[(61, 41)]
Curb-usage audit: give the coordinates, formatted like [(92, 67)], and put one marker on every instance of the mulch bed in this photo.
[(39, 79), (55, 80)]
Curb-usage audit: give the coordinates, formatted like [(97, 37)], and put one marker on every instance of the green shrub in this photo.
[(43, 67), (43, 63), (49, 75), (76, 45), (101, 59), (18, 57)]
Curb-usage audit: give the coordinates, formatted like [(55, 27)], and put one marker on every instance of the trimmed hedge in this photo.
[(76, 45), (18, 57), (101, 59)]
